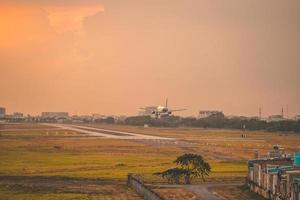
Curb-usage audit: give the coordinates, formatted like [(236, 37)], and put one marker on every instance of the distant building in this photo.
[(98, 116), (2, 112), (297, 118), (206, 113), (54, 115), (18, 115), (275, 118)]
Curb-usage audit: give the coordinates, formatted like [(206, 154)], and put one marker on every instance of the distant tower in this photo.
[(282, 113), (259, 112), (287, 111)]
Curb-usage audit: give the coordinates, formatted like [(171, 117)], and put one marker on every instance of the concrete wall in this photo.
[(137, 184)]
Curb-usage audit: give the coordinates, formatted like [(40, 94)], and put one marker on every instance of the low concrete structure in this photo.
[(54, 115), (136, 183), (276, 178)]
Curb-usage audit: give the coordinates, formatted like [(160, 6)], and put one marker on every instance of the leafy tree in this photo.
[(191, 166), (215, 121), (109, 120), (194, 165), (138, 120), (173, 174)]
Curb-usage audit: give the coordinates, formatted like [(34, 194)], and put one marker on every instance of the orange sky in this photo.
[(112, 57)]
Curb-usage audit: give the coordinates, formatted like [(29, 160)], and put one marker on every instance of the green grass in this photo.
[(32, 153), (79, 165), (67, 154), (16, 162)]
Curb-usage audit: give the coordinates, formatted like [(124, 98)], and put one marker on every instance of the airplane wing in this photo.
[(176, 110)]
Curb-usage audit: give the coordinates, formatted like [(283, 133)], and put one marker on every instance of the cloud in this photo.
[(70, 18), (50, 29)]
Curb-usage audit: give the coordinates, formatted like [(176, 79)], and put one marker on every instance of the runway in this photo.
[(106, 133)]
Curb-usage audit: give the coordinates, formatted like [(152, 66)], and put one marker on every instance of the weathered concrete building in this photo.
[(275, 178), (207, 113), (55, 115)]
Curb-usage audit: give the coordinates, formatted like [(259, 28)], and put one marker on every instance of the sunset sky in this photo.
[(115, 56)]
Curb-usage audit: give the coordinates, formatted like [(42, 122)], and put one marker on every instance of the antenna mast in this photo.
[(259, 112)]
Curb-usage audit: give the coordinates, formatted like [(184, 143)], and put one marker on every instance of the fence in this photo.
[(136, 182)]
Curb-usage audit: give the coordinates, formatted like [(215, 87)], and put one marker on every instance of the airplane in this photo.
[(161, 111)]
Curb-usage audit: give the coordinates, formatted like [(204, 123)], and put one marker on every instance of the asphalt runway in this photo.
[(106, 133)]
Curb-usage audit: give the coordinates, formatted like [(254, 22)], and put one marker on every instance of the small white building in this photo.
[(55, 115), (207, 113), (275, 118)]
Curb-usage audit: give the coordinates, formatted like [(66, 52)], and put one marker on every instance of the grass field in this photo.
[(52, 189), (44, 151), (175, 193)]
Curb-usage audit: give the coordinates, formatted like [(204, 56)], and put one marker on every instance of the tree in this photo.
[(173, 174), (109, 120), (191, 166), (194, 165)]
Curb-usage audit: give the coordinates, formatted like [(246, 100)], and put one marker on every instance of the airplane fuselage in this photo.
[(162, 110)]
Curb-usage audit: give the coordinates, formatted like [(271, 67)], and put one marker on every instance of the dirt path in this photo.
[(202, 190)]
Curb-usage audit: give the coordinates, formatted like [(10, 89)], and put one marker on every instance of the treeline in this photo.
[(215, 121)]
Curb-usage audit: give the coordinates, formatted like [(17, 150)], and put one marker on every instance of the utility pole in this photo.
[(259, 112)]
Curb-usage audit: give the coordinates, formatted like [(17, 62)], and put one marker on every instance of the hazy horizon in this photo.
[(113, 57)]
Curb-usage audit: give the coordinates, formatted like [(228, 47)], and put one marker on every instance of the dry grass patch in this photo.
[(175, 194), (236, 193), (66, 191), (24, 126)]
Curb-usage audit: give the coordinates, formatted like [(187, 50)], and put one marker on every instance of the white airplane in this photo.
[(161, 111)]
